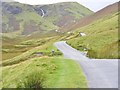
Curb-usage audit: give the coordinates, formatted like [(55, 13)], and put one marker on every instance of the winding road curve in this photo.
[(99, 73)]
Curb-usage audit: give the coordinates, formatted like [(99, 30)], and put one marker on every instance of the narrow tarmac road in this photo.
[(99, 73)]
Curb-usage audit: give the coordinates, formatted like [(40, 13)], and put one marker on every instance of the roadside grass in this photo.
[(34, 80), (110, 51), (100, 34), (67, 75), (57, 72)]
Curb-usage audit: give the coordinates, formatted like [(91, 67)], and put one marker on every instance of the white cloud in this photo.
[(96, 5)]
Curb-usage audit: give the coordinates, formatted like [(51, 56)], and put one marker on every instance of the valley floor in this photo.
[(40, 62)]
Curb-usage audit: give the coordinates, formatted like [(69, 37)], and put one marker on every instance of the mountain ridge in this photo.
[(43, 17), (110, 9)]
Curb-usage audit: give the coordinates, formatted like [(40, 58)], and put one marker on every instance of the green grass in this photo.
[(58, 72), (32, 16), (27, 51), (11, 35), (68, 75), (9, 55), (110, 51), (78, 11), (26, 17), (34, 80), (100, 33)]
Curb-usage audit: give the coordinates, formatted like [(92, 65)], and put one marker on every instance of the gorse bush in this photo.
[(33, 80)]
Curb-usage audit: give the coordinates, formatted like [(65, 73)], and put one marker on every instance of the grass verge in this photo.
[(99, 35), (57, 71)]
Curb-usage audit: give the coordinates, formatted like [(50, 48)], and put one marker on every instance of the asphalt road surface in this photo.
[(99, 73)]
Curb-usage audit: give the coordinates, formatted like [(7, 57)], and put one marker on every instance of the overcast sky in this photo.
[(94, 5)]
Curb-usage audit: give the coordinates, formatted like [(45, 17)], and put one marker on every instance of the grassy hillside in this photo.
[(56, 71), (101, 38), (32, 22), (23, 19), (65, 10), (109, 10), (42, 65), (26, 47)]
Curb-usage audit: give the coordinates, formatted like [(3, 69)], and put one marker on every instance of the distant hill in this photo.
[(24, 19)]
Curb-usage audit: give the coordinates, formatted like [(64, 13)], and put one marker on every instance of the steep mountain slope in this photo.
[(25, 19), (93, 17), (101, 39)]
